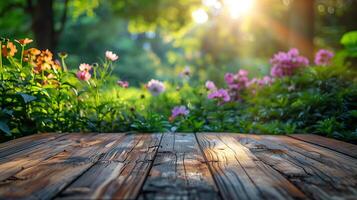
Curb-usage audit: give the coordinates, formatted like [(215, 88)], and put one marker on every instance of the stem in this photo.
[(64, 65), (1, 60), (0, 55), (22, 54)]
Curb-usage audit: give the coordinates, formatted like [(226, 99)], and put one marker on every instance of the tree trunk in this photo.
[(301, 34), (43, 24)]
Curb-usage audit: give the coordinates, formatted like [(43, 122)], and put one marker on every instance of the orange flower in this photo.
[(34, 51), (24, 42), (9, 49), (30, 54)]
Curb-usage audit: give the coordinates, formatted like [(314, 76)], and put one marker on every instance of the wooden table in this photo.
[(177, 166)]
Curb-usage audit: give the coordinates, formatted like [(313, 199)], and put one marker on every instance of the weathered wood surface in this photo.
[(120, 172), (179, 171), (339, 146), (177, 166), (239, 174), (318, 172)]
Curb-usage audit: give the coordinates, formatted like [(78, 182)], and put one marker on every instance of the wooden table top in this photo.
[(177, 166)]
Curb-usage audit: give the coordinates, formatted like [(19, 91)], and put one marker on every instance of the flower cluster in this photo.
[(236, 83), (323, 57), (40, 60), (83, 73), (155, 87), (178, 111), (286, 63), (221, 95)]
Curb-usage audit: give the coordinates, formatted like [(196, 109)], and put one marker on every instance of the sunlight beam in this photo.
[(238, 8)]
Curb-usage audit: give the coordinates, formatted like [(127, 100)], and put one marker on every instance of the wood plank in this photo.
[(239, 174), (179, 171), (12, 164), (26, 143), (319, 172), (339, 146), (49, 177), (120, 173)]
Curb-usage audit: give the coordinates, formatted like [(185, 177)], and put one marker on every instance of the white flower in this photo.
[(111, 56), (155, 87)]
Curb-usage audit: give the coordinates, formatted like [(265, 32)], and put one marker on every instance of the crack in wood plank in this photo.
[(179, 171), (120, 173), (318, 172), (241, 175)]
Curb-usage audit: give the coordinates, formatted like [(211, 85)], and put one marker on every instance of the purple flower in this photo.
[(155, 87), (229, 78), (210, 86), (323, 57), (237, 81), (286, 63), (179, 111), (221, 95), (123, 84)]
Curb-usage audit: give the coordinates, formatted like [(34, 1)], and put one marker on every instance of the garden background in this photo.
[(188, 66)]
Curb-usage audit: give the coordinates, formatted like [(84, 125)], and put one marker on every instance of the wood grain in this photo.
[(26, 143), (50, 176), (239, 174), (319, 172), (179, 171), (339, 146), (177, 166), (120, 173), (16, 162)]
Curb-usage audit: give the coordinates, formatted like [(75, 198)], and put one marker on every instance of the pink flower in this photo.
[(266, 80), (229, 78), (111, 56), (286, 63), (179, 111), (210, 86), (237, 81), (155, 87), (123, 84), (85, 67), (186, 72), (83, 75), (221, 95), (243, 73), (323, 57)]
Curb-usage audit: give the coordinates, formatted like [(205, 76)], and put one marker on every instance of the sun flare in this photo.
[(238, 8), (200, 16)]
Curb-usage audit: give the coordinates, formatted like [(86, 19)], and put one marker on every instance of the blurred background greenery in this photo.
[(159, 38)]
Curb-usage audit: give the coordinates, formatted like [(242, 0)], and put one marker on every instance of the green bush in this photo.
[(39, 94)]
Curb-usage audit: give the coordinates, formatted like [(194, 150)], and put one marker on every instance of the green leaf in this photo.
[(27, 98), (5, 128), (349, 40)]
